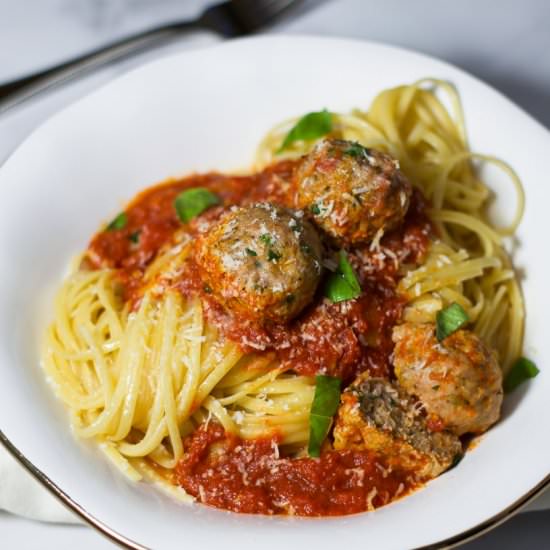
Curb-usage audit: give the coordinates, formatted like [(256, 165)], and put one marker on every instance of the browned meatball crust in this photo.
[(458, 380), (351, 191), (379, 416), (261, 261)]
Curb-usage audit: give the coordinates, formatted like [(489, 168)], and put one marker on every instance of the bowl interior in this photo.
[(207, 110)]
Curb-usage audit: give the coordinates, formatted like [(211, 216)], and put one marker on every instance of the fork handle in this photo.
[(18, 91)]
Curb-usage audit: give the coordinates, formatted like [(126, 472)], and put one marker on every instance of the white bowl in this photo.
[(207, 110)]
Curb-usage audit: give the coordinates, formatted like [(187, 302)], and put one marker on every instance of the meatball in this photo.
[(458, 380), (352, 192), (377, 415), (262, 261)]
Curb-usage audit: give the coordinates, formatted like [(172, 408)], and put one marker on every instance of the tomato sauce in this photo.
[(340, 339), (152, 219), (249, 476)]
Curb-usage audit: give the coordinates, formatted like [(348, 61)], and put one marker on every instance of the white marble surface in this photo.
[(504, 42)]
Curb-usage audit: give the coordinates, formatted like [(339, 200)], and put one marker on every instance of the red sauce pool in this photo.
[(248, 476)]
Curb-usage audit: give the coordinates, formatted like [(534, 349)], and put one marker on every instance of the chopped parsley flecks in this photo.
[(266, 239), (296, 227), (273, 256), (134, 237), (356, 150)]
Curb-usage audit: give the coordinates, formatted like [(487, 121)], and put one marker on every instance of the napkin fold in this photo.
[(21, 494)]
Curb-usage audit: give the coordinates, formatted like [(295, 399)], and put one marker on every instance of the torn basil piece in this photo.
[(522, 370), (342, 284), (318, 430), (449, 320), (324, 407), (192, 202), (119, 222), (309, 127)]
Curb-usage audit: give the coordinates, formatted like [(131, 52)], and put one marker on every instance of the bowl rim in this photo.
[(124, 541), (465, 536)]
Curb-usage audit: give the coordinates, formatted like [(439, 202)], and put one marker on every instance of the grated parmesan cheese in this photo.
[(400, 489), (330, 264), (238, 417), (370, 497), (275, 448), (375, 244)]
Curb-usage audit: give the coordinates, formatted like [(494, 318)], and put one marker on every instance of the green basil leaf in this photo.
[(523, 369), (327, 395), (356, 150), (324, 407), (342, 284), (310, 126), (344, 267), (449, 320), (337, 289), (318, 430), (119, 222), (192, 202)]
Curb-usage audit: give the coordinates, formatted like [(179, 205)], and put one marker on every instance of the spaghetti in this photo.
[(156, 370), (412, 124)]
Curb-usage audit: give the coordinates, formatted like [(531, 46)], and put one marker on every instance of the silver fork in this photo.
[(229, 19)]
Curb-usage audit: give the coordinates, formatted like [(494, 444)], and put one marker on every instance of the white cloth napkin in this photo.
[(21, 494)]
